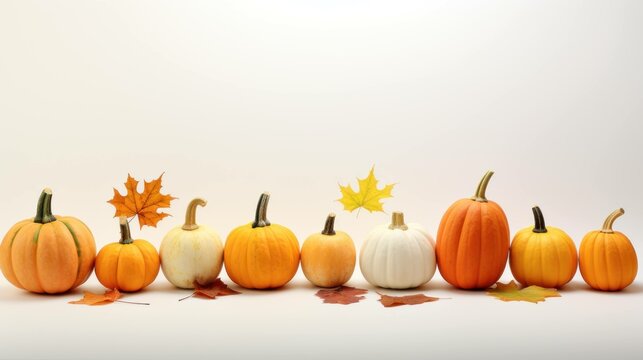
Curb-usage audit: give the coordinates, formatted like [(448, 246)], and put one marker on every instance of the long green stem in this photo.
[(480, 194), (539, 220), (126, 236), (261, 213), (43, 211), (609, 222), (190, 214)]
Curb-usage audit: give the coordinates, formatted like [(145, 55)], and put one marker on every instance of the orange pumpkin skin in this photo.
[(472, 245), (128, 265), (542, 255), (608, 260), (48, 254), (328, 258), (261, 255)]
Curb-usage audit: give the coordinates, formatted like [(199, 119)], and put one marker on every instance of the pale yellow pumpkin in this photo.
[(193, 253)]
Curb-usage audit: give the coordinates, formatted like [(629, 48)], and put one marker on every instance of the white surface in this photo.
[(234, 98)]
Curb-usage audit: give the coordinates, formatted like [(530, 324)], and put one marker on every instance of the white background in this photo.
[(234, 98)]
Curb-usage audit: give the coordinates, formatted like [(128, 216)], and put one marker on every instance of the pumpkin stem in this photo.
[(480, 195), (261, 213), (607, 225), (190, 214), (329, 227), (539, 220), (43, 210), (397, 221), (126, 236)]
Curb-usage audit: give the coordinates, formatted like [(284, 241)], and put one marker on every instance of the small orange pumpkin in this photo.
[(128, 265), (473, 241), (542, 255), (48, 254), (261, 255), (328, 258), (607, 258)]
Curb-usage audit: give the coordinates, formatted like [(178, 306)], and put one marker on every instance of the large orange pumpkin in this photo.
[(607, 258), (473, 241), (261, 255), (128, 265), (48, 254)]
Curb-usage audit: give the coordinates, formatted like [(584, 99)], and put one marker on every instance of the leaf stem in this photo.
[(132, 302), (187, 297)]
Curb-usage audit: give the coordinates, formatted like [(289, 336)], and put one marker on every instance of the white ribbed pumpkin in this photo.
[(191, 253), (397, 255)]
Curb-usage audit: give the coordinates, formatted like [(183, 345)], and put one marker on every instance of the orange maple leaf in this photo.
[(145, 204), (342, 295), (90, 298), (416, 299), (217, 288)]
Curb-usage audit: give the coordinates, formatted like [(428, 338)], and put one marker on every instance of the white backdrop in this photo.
[(233, 98)]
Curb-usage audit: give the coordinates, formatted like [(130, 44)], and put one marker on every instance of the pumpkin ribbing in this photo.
[(47, 254)]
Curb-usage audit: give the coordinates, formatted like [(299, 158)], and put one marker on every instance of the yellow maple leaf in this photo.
[(369, 196), (145, 204), (512, 292)]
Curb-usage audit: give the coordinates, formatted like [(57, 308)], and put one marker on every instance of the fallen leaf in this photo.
[(391, 301), (217, 288), (512, 292), (342, 295), (90, 298), (369, 196), (145, 204)]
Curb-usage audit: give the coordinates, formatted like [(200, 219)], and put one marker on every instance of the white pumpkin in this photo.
[(397, 255), (191, 253)]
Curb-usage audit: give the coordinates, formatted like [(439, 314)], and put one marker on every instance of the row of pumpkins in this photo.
[(54, 254)]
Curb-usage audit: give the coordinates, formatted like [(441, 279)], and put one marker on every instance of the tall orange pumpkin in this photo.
[(607, 258), (473, 241), (48, 254), (261, 255)]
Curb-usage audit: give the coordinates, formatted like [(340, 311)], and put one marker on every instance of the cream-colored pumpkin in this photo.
[(397, 255), (191, 253)]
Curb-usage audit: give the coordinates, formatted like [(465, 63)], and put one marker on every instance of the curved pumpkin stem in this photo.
[(329, 227), (539, 220), (397, 221), (262, 210), (609, 222), (480, 194), (43, 210), (190, 214), (126, 236)]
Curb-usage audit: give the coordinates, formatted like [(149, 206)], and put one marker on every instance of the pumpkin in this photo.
[(397, 255), (542, 255), (473, 241), (607, 258), (191, 254), (328, 258), (261, 255), (127, 265), (47, 254)]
